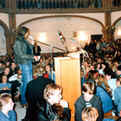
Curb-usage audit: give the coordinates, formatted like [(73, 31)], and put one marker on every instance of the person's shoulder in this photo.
[(96, 98), (79, 100), (100, 89), (117, 89), (17, 42), (3, 117)]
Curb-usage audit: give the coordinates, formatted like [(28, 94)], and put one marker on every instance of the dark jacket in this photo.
[(23, 50), (46, 113), (34, 96), (81, 104), (36, 50)]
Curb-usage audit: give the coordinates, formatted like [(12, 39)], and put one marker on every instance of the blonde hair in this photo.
[(4, 98), (50, 89), (89, 114)]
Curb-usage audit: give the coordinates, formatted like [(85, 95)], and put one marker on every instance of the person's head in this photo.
[(8, 63), (108, 76), (35, 43), (88, 87), (93, 74), (6, 70), (59, 111), (89, 114), (118, 70), (88, 90), (24, 31), (13, 65), (4, 79), (6, 103), (1, 64), (47, 68), (19, 72), (53, 93), (118, 82)]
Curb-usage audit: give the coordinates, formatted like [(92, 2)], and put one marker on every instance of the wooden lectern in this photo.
[(67, 72)]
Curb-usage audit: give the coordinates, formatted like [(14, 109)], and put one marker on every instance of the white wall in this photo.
[(67, 25), (21, 17), (115, 16), (4, 18), (3, 50)]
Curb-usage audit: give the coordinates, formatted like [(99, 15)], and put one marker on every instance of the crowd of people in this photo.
[(30, 79)]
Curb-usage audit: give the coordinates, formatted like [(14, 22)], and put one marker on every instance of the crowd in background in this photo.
[(100, 78)]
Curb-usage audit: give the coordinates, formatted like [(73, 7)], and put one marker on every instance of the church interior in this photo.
[(79, 42)]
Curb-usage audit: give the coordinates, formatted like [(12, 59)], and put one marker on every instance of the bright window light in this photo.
[(42, 37), (119, 32), (82, 36)]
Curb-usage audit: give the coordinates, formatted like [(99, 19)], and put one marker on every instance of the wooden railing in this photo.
[(39, 5)]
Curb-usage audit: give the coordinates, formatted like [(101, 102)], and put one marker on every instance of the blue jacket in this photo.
[(117, 98), (105, 99), (3, 117), (11, 116)]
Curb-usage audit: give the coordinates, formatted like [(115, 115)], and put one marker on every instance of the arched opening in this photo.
[(47, 29), (4, 46), (117, 26)]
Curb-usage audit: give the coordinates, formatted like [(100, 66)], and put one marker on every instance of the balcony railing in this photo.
[(4, 6), (39, 5), (52, 4)]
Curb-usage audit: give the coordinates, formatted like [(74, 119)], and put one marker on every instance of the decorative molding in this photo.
[(59, 16)]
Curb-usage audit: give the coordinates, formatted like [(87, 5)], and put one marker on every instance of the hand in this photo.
[(36, 58), (64, 104)]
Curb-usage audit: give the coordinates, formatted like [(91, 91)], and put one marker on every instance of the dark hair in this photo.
[(119, 79), (88, 87), (119, 67), (58, 109), (22, 31)]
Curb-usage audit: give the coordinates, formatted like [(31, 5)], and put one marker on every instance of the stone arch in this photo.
[(63, 16), (58, 16), (116, 21)]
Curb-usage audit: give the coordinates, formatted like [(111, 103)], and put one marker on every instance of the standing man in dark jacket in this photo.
[(24, 56)]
